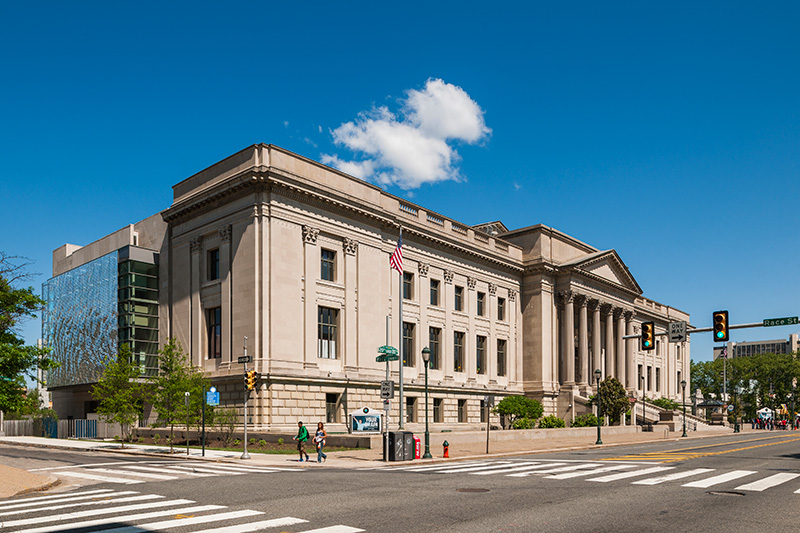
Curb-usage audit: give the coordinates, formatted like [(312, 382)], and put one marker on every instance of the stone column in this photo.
[(226, 275), (620, 352), (583, 341), (607, 310), (311, 273), (594, 307), (349, 331), (568, 338), (629, 349), (197, 351)]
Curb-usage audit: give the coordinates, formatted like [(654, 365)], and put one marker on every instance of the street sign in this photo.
[(488, 400), (384, 358), (388, 350), (245, 359), (730, 408), (387, 389), (786, 321), (677, 331)]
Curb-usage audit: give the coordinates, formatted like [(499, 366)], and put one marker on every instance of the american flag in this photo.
[(396, 259)]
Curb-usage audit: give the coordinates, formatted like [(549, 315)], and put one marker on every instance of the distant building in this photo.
[(294, 255), (745, 349)]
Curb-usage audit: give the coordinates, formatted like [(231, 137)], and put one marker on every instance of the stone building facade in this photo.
[(293, 256)]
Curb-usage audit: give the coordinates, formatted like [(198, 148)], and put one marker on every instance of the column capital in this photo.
[(423, 269), (196, 244), (471, 283), (512, 295), (310, 235), (350, 246), (581, 300), (593, 303), (448, 276), (492, 289), (618, 312), (606, 308), (629, 314), (225, 233), (566, 297)]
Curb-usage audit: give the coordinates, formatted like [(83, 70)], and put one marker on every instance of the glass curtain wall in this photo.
[(138, 313)]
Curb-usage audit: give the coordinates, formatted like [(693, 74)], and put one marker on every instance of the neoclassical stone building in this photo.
[(293, 256)]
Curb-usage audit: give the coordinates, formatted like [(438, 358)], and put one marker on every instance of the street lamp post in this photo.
[(599, 418), (683, 386), (426, 356)]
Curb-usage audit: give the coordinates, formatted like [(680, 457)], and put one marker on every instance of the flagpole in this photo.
[(402, 407)]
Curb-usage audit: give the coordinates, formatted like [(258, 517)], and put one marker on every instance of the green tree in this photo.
[(613, 399), (17, 361), (176, 376), (517, 407), (119, 392)]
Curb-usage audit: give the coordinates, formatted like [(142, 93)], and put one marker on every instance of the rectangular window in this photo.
[(212, 266), (408, 286), (327, 265), (408, 344), (480, 354), (658, 379), (332, 407), (678, 384), (462, 410), (411, 409), (481, 304), (501, 309), (214, 330), (501, 357), (438, 412), (434, 340), (649, 378), (458, 304), (327, 332), (435, 292), (458, 351)]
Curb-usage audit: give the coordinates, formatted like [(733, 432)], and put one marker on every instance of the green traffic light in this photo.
[(720, 334)]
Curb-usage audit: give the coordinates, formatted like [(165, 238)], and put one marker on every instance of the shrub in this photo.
[(516, 407), (236, 442), (551, 421), (225, 420), (156, 438), (280, 441), (585, 420), (664, 403), (523, 423), (252, 441), (262, 442)]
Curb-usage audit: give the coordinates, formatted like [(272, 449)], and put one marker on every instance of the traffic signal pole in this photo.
[(703, 330), (245, 455)]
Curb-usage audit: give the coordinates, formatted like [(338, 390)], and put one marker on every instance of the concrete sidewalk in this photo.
[(16, 481)]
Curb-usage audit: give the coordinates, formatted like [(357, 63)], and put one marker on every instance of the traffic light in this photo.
[(250, 380), (720, 321), (648, 336)]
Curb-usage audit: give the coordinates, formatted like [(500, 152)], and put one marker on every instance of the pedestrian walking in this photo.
[(319, 440), (302, 438)]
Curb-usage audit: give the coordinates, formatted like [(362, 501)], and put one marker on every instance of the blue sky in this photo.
[(669, 132)]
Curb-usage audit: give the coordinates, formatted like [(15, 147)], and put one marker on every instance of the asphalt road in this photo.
[(734, 483)]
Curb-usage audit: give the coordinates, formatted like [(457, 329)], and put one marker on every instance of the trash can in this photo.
[(408, 444), (396, 446)]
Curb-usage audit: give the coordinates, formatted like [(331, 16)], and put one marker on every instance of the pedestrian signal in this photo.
[(648, 335), (720, 321)]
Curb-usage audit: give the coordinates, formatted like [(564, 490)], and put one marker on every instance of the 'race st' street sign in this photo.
[(786, 321), (677, 331)]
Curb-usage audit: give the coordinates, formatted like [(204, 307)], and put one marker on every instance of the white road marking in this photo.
[(476, 468), (137, 474), (768, 482), (721, 478), (518, 469), (130, 517), (96, 512), (55, 496), (193, 471), (570, 475), (559, 469), (334, 529), (242, 468), (672, 477), (100, 501), (188, 521), (64, 498), (257, 526), (625, 475), (95, 477), (433, 468)]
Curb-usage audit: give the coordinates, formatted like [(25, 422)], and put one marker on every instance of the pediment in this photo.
[(604, 266)]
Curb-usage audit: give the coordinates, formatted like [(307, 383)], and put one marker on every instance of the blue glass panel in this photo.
[(79, 322)]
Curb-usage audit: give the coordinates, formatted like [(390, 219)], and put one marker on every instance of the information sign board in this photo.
[(212, 397), (365, 420)]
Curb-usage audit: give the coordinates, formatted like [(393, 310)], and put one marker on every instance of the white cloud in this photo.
[(412, 149)]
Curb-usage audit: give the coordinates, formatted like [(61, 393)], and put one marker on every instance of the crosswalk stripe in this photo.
[(95, 477), (625, 475), (477, 468), (768, 482), (102, 500), (188, 521), (193, 471), (130, 518), (431, 468), (137, 474), (257, 526), (334, 529), (65, 498), (96, 512), (54, 496), (570, 475), (242, 468), (519, 469), (672, 477), (721, 478), (553, 470)]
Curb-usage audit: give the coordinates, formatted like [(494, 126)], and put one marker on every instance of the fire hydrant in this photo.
[(446, 449)]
